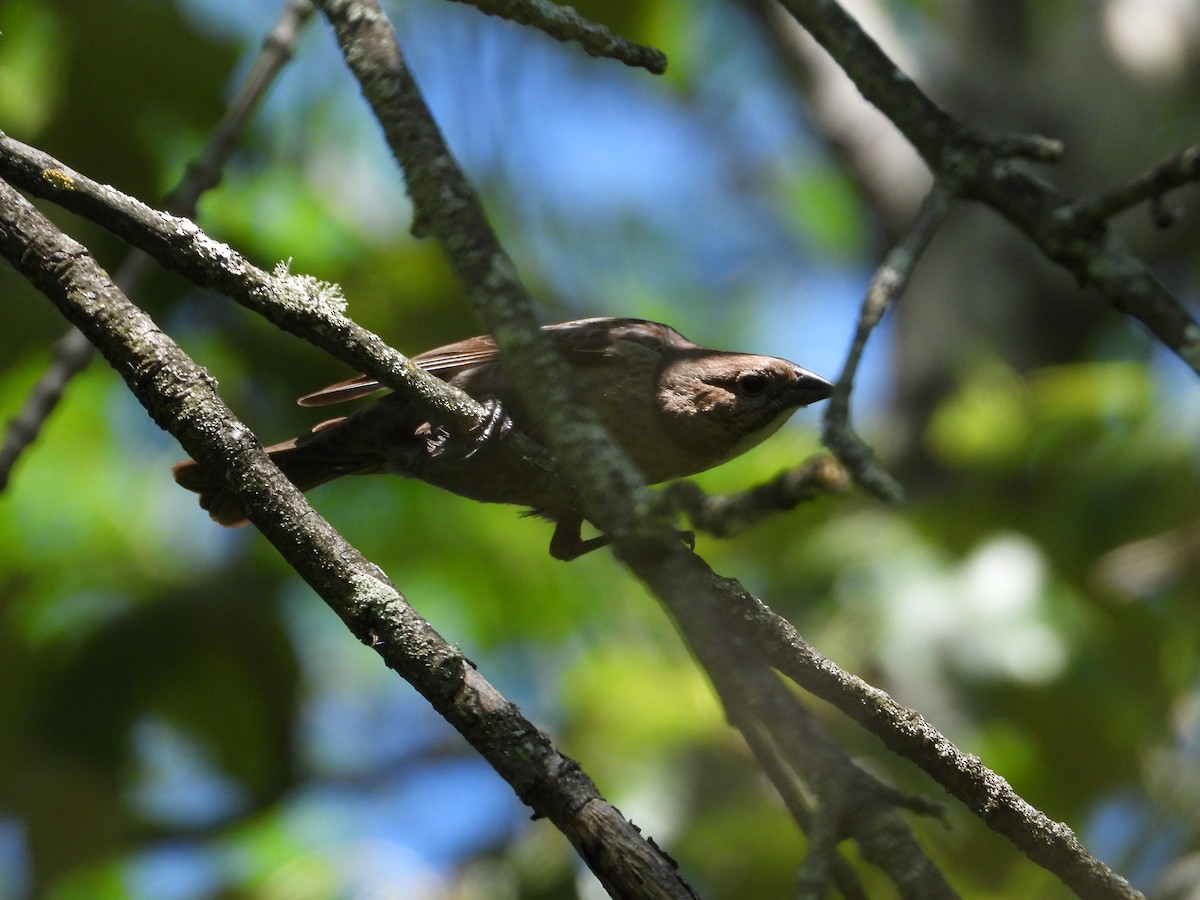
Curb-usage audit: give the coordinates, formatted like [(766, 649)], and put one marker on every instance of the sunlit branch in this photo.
[(181, 398), (849, 801), (1048, 843)]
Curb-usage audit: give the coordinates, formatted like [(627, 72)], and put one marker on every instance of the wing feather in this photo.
[(582, 341)]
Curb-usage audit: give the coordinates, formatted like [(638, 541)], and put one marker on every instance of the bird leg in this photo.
[(567, 543)]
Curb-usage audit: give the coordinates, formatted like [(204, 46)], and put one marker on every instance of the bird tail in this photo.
[(306, 465)]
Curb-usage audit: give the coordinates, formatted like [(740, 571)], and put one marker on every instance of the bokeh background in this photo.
[(180, 717)]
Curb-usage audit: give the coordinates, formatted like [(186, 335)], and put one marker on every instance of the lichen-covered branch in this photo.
[(180, 397), (849, 802), (1050, 844)]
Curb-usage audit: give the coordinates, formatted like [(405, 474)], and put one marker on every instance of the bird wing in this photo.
[(580, 342), (350, 389), (444, 362), (594, 340)]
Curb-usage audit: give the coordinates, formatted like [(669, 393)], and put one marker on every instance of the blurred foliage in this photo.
[(181, 718)]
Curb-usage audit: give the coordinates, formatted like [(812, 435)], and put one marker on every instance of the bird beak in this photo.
[(809, 387)]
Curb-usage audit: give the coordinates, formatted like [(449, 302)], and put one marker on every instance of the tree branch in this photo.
[(180, 398), (986, 169), (565, 24), (297, 304), (1050, 844), (888, 284), (1173, 172), (849, 801), (614, 493)]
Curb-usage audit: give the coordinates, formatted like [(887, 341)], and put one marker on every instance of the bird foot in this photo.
[(567, 543), (492, 425)]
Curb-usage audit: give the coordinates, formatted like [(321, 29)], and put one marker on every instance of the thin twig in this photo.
[(73, 353), (69, 356), (204, 172), (724, 515), (1173, 172), (888, 284), (565, 24)]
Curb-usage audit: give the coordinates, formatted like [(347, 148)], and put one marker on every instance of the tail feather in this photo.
[(303, 468), (382, 436), (218, 501)]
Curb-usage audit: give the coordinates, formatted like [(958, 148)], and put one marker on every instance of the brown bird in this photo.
[(675, 408)]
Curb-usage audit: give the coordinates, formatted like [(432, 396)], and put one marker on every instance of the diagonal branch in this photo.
[(614, 492), (849, 802), (295, 304), (1050, 844), (180, 398)]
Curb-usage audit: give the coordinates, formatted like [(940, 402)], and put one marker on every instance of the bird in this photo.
[(674, 407)]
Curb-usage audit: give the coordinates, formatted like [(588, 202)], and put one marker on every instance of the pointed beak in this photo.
[(809, 387)]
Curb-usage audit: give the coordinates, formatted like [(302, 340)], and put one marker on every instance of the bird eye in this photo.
[(751, 384)]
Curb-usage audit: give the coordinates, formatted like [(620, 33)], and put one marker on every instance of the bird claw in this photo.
[(436, 438), (492, 425)]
